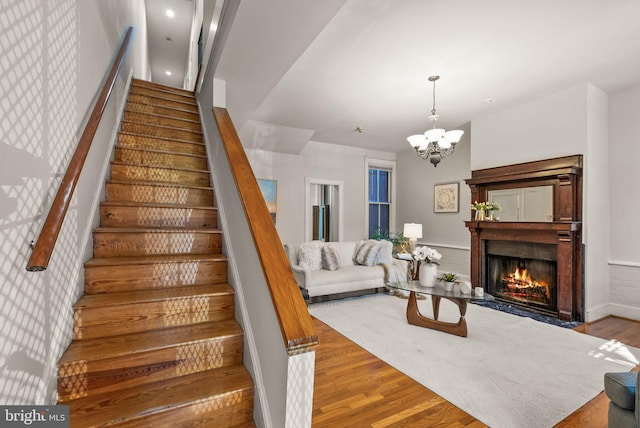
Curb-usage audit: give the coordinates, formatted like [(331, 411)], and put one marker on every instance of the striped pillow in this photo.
[(330, 258)]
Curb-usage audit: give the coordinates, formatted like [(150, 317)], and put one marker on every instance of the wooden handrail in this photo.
[(295, 322), (43, 248)]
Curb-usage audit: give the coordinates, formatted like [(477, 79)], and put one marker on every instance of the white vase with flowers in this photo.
[(428, 272)]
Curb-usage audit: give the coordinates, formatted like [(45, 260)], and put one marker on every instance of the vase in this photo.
[(428, 274), (448, 286), (480, 215)]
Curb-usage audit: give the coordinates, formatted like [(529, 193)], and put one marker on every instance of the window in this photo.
[(379, 196), (379, 199)]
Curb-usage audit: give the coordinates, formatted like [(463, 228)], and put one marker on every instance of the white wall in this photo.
[(59, 55), (595, 214), (321, 161), (572, 121), (549, 127), (624, 202)]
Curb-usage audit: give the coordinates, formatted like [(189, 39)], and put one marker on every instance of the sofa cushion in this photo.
[(621, 388), (346, 274), (345, 251), (310, 256), (330, 258)]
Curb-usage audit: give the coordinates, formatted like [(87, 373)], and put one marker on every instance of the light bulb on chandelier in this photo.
[(436, 143)]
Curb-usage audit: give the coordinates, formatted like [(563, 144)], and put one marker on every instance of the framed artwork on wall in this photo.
[(269, 190), (446, 197)]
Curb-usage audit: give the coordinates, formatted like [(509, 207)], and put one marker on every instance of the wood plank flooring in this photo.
[(353, 388)]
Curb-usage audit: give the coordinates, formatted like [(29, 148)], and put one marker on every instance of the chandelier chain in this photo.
[(433, 111)]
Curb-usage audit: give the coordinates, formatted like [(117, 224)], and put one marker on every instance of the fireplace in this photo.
[(536, 265), (523, 273)]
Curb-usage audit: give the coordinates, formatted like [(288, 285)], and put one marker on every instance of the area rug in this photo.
[(509, 372)]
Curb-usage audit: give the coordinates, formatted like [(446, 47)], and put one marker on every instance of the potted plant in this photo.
[(448, 278), (397, 239)]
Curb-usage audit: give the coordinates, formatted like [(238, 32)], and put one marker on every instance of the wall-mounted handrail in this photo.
[(295, 322), (43, 248)]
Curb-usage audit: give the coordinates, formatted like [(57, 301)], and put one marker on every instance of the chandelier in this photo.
[(435, 143)]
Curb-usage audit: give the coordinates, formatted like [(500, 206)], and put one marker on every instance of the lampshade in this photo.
[(434, 135), (417, 140), (412, 230)]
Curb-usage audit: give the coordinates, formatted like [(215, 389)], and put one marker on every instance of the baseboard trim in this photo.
[(624, 311)]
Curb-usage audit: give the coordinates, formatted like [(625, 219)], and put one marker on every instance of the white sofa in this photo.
[(350, 276)]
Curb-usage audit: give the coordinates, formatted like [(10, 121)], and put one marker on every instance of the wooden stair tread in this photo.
[(162, 127), (155, 230), (157, 99), (160, 184), (158, 397), (182, 110), (164, 116), (151, 295), (172, 168), (187, 99), (132, 343), (152, 259), (159, 137), (149, 205), (164, 152), (162, 88)]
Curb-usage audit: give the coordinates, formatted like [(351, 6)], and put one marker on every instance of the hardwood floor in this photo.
[(353, 388)]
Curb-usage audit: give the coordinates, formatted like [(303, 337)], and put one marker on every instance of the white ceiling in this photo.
[(307, 69), (165, 55)]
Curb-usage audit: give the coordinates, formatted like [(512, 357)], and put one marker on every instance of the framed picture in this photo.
[(446, 197), (269, 190)]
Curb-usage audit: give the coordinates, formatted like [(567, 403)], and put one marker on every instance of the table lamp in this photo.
[(412, 231)]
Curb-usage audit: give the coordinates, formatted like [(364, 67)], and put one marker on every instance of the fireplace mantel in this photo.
[(565, 231)]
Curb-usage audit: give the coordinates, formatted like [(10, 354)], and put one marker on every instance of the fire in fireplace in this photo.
[(523, 273)]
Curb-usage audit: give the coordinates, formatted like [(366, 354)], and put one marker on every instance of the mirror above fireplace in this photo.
[(524, 204)]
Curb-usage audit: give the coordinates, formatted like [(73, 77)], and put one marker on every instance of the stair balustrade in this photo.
[(43, 247)]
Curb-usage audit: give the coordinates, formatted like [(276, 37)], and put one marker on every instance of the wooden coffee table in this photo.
[(438, 292)]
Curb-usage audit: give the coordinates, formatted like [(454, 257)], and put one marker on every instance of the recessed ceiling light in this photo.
[(170, 13), (168, 73)]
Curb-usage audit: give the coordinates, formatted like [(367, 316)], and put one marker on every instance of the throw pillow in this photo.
[(330, 258), (372, 255), (310, 255), (362, 249), (385, 255)]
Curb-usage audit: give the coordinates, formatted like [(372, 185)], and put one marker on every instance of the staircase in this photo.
[(155, 342)]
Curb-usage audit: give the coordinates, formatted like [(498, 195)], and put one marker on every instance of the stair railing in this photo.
[(43, 248), (295, 322)]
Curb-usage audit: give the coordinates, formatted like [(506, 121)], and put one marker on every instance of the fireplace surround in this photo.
[(550, 250)]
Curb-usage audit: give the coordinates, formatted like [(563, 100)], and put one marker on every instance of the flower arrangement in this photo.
[(426, 254), (492, 206), (479, 206), (488, 206)]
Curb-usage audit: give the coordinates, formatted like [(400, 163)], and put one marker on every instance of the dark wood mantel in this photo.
[(564, 174), (565, 231)]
